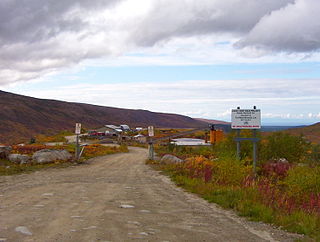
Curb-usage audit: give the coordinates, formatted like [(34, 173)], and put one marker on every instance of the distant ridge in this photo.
[(22, 117), (212, 121), (311, 132)]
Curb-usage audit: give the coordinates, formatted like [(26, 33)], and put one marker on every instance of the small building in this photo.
[(189, 142), (140, 138), (125, 127), (112, 130)]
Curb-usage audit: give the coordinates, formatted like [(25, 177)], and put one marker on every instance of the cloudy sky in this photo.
[(198, 58)]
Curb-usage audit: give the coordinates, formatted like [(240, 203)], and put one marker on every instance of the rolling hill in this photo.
[(213, 121), (22, 117), (311, 132)]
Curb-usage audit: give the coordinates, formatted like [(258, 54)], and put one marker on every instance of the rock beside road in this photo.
[(47, 156), (19, 159), (4, 151), (170, 159)]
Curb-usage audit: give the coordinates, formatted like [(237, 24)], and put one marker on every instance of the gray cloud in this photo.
[(276, 25), (178, 18), (37, 20), (41, 36)]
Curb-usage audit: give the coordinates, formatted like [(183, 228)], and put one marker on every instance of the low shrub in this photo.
[(302, 181), (230, 172), (28, 149), (275, 169), (282, 145), (94, 150)]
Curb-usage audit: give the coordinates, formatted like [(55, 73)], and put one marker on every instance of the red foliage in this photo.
[(275, 169), (273, 197)]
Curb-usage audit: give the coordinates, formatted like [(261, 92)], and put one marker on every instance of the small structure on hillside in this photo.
[(125, 127), (140, 138), (189, 142), (112, 130)]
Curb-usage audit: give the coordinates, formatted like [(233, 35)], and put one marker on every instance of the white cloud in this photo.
[(278, 99), (293, 28)]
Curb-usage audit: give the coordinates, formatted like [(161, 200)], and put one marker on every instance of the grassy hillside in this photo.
[(22, 117), (311, 132)]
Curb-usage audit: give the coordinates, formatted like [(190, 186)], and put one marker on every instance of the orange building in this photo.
[(216, 136)]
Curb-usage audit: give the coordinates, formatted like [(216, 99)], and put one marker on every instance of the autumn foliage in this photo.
[(285, 190)]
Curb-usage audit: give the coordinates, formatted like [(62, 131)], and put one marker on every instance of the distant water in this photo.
[(278, 128)]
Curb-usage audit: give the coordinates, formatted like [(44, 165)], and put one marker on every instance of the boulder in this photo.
[(282, 160), (4, 151), (48, 156), (19, 159), (170, 159)]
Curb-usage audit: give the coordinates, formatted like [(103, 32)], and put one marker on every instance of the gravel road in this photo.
[(115, 198)]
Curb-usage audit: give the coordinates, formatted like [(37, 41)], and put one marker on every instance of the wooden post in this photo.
[(238, 144), (151, 148), (77, 148), (151, 151), (254, 153)]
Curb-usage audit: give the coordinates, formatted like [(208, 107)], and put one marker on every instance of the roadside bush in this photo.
[(283, 145), (303, 181), (314, 154), (60, 137), (94, 150), (230, 172), (199, 167), (275, 169), (28, 149), (228, 147)]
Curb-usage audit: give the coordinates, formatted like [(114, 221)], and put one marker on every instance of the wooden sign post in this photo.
[(77, 132), (247, 119), (150, 141)]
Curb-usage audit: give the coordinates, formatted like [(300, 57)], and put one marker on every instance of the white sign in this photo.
[(78, 128), (150, 131), (246, 119)]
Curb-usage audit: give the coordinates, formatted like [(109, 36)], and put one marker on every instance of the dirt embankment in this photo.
[(115, 198)]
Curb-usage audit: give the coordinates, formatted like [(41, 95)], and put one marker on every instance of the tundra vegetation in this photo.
[(285, 191)]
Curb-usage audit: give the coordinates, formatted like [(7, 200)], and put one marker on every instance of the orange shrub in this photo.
[(27, 149)]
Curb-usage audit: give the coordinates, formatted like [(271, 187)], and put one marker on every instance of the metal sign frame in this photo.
[(253, 119)]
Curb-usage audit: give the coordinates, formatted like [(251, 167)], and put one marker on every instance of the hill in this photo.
[(213, 121), (311, 132), (22, 117)]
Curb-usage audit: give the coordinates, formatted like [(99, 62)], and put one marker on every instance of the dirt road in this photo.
[(115, 198)]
